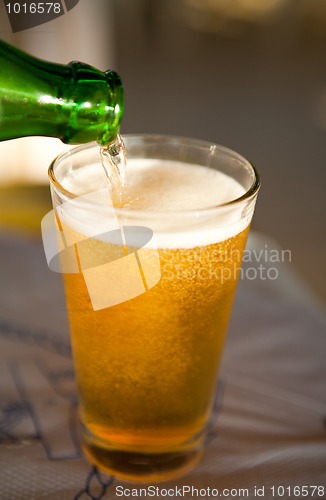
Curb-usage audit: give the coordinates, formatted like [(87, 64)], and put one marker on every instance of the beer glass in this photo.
[(149, 295)]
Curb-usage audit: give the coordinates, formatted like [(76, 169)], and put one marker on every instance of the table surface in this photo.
[(269, 428)]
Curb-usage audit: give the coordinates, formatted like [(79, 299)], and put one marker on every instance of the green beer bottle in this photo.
[(75, 102)]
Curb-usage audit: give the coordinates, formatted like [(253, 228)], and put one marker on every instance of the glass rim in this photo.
[(250, 193)]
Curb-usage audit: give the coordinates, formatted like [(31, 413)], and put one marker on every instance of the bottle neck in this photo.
[(76, 102)]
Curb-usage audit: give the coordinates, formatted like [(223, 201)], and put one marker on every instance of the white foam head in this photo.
[(160, 195)]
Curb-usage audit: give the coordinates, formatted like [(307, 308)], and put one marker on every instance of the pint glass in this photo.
[(149, 294)]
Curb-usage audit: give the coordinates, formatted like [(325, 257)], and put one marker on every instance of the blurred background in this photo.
[(248, 74)]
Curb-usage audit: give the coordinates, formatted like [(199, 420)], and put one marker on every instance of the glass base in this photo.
[(140, 466)]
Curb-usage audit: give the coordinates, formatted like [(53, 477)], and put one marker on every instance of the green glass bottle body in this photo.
[(75, 102)]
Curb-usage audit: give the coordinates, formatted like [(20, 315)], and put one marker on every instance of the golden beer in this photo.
[(146, 368)]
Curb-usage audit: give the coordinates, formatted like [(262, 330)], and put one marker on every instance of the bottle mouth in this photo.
[(94, 101), (114, 107)]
